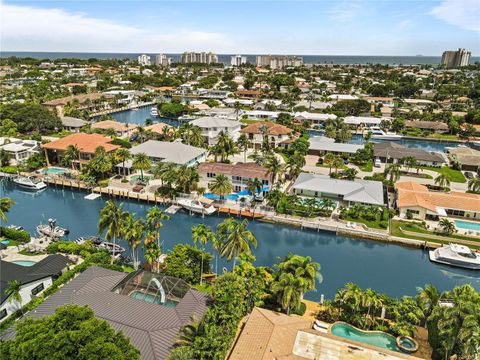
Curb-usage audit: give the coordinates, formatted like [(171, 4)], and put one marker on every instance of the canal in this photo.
[(392, 269)]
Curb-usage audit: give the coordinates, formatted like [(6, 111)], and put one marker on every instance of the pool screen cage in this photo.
[(158, 285)]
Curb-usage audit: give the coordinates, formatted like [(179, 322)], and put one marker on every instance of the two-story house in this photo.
[(278, 135), (212, 126)]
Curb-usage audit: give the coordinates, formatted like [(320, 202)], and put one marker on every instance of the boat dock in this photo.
[(172, 209)]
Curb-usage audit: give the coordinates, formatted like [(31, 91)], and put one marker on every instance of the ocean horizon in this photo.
[(225, 58)]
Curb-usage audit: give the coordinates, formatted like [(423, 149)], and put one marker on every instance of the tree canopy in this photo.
[(31, 117)]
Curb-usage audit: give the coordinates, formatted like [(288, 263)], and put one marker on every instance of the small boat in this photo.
[(52, 230), (29, 182), (15, 227), (456, 255), (96, 240), (196, 206), (111, 248), (154, 112), (186, 118), (379, 134)]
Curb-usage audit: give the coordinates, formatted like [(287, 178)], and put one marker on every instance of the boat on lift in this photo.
[(30, 182), (154, 112), (379, 134), (52, 230), (186, 118), (456, 255), (196, 206)]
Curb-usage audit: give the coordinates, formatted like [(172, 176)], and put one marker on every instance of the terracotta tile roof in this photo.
[(411, 194), (247, 170), (115, 125), (87, 143), (157, 128), (81, 99), (267, 335), (272, 128)]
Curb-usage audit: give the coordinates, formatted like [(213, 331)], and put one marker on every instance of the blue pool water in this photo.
[(24, 262), (139, 295), (388, 268), (469, 225), (233, 197), (54, 170)]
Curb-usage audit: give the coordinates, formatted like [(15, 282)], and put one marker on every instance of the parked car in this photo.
[(377, 163), (468, 175)]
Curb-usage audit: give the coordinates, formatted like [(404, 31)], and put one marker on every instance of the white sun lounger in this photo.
[(320, 329)]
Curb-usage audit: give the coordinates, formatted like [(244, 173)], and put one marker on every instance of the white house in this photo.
[(212, 126), (277, 135), (364, 120), (314, 118), (261, 115), (342, 97), (18, 149), (232, 101), (33, 280), (222, 112), (320, 145)]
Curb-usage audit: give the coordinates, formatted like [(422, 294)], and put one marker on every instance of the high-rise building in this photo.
[(144, 59), (453, 59), (201, 57), (237, 60), (162, 60), (279, 61)]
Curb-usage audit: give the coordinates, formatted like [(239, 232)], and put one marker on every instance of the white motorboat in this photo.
[(196, 206), (112, 248), (456, 255), (154, 111), (186, 118), (379, 134), (52, 230), (30, 182)]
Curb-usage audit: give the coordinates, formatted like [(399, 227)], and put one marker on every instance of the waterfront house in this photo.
[(424, 204), (468, 158), (212, 126), (19, 150), (86, 143), (225, 113), (90, 102), (429, 126), (378, 100), (72, 124), (363, 121), (347, 191), (239, 174), (244, 102), (338, 97), (391, 152), (314, 105), (261, 115), (158, 128), (33, 280), (248, 94), (121, 129), (278, 135), (314, 118), (320, 145), (150, 309)]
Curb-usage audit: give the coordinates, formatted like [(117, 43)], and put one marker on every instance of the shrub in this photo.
[(21, 236), (10, 169), (301, 309), (185, 262), (123, 143)]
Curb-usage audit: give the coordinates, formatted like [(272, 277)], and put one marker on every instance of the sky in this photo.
[(313, 27)]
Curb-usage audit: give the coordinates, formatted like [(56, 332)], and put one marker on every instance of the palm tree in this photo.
[(123, 155), (238, 109), (295, 164), (203, 234), (427, 298), (442, 180), (447, 226), (409, 162), (152, 253), (225, 146), (302, 267), (393, 171), (220, 186), (73, 153), (274, 167), (141, 162), (328, 159), (287, 290), (370, 300), (350, 296), (141, 133), (154, 224), (243, 144), (190, 332), (13, 293), (328, 204), (254, 185), (337, 163), (132, 231), (474, 184), (350, 174), (5, 205), (111, 219), (310, 98), (235, 239)]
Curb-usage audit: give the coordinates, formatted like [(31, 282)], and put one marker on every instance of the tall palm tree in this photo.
[(328, 159), (274, 167), (254, 185), (427, 298), (154, 223), (337, 163), (5, 205), (243, 143), (302, 267), (225, 146), (195, 137), (447, 226), (203, 234), (238, 109), (140, 130), (474, 184), (310, 97), (72, 152), (409, 162), (123, 155), (111, 219), (295, 164), (442, 180), (370, 300), (220, 186), (152, 253), (141, 162), (235, 239), (393, 172), (190, 332), (13, 293), (132, 231), (350, 296), (287, 290)]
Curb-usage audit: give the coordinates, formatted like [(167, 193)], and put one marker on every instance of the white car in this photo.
[(377, 163)]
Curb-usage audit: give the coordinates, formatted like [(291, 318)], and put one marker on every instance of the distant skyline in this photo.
[(315, 27)]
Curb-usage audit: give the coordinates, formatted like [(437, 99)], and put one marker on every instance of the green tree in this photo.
[(410, 162), (151, 255), (329, 159), (287, 290), (203, 234), (13, 293), (243, 144), (73, 153), (72, 332), (132, 231), (154, 224), (123, 155), (274, 167), (220, 186), (474, 184), (393, 172), (5, 206), (295, 164), (111, 219), (187, 262), (447, 226), (427, 298), (141, 162), (442, 180)]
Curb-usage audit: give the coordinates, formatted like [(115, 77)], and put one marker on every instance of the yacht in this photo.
[(379, 134), (456, 255), (186, 118), (52, 230), (154, 111), (196, 206), (30, 182)]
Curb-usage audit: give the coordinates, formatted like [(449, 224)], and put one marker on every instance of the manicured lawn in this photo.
[(453, 175), (29, 253), (367, 167), (377, 224), (343, 167)]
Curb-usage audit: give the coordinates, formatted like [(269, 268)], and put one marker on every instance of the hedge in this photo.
[(123, 143), (20, 236)]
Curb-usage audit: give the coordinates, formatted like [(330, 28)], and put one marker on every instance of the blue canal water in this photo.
[(392, 269)]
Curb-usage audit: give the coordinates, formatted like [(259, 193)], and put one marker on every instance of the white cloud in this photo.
[(345, 11), (25, 28), (462, 13)]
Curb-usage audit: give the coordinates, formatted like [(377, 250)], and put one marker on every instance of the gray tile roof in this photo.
[(73, 122), (212, 121), (322, 143), (362, 191), (175, 152), (152, 328), (396, 151)]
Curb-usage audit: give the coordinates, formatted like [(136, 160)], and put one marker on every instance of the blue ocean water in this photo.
[(225, 58)]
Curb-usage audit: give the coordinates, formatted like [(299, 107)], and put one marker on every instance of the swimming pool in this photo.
[(152, 299), (54, 170), (233, 197), (24, 262), (469, 225), (375, 338)]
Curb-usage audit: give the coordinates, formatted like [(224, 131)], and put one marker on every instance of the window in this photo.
[(3, 313), (455, 212), (38, 289), (210, 175), (237, 178), (237, 188)]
